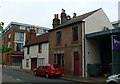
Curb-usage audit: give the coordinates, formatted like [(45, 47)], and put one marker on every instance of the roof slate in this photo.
[(38, 39)]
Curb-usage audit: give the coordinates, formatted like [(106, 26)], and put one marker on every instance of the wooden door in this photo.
[(33, 63), (76, 63)]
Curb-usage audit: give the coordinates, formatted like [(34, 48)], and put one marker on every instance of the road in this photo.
[(28, 78)]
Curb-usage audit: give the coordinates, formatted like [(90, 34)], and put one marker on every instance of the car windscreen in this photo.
[(55, 66)]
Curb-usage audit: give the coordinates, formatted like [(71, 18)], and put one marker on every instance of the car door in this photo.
[(43, 69), (39, 70)]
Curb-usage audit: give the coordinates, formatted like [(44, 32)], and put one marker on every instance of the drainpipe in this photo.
[(84, 60)]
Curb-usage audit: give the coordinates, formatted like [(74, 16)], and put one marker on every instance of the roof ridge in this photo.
[(76, 19)]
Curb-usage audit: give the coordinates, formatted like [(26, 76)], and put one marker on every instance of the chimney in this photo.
[(63, 16), (74, 15), (56, 21), (32, 32)]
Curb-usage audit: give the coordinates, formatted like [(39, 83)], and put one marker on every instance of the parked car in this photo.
[(47, 70), (113, 79)]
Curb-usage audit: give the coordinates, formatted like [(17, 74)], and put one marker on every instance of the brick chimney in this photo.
[(32, 32), (63, 16), (56, 21)]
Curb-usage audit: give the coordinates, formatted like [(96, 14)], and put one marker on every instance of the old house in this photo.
[(68, 44), (36, 52)]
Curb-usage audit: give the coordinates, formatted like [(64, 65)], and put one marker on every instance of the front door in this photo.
[(76, 63), (33, 63)]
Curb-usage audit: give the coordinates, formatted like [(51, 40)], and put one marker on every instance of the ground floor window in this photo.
[(27, 62), (41, 61), (17, 61), (59, 59)]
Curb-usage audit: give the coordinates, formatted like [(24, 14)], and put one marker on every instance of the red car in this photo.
[(47, 70)]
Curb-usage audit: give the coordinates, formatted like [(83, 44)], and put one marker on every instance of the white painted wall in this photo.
[(92, 52), (34, 54), (96, 22)]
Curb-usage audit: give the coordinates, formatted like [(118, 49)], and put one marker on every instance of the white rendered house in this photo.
[(36, 52)]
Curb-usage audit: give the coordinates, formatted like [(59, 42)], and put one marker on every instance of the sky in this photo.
[(41, 12)]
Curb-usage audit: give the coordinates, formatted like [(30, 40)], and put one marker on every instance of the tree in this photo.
[(1, 27), (3, 48)]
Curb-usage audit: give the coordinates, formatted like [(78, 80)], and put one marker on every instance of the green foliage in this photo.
[(1, 27), (5, 49)]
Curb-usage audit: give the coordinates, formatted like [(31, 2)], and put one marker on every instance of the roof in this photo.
[(38, 39), (22, 24), (75, 20), (116, 22), (103, 33)]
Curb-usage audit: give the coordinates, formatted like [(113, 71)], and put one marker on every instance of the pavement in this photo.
[(85, 80)]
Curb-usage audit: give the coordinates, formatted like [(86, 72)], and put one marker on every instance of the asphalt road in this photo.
[(28, 78)]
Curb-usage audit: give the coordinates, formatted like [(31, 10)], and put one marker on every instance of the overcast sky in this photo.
[(41, 12)]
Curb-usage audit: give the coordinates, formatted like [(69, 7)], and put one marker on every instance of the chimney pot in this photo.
[(74, 15), (57, 16)]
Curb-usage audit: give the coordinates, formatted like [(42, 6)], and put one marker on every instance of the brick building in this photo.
[(16, 36), (68, 44)]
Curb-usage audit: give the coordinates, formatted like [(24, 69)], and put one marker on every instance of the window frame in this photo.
[(39, 48), (28, 50), (58, 37), (75, 34)]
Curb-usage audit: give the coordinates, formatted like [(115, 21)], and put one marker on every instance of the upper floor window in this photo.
[(75, 33), (9, 37), (58, 37), (39, 48), (39, 31), (19, 36), (28, 50), (45, 30), (22, 27), (18, 47)]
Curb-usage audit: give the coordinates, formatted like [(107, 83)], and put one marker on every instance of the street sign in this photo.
[(115, 42)]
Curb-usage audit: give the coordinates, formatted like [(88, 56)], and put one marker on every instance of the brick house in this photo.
[(67, 40), (16, 36), (36, 52)]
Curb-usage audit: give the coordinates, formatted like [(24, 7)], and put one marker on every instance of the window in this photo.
[(28, 50), (45, 30), (27, 62), (39, 48), (9, 37), (40, 67), (59, 59), (58, 37), (18, 47), (19, 36), (22, 27), (41, 61), (39, 31), (75, 33), (28, 29)]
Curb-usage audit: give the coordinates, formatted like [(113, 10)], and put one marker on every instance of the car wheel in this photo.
[(46, 75), (112, 82), (35, 73)]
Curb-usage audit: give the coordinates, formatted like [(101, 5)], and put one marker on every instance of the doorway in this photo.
[(33, 63), (76, 63)]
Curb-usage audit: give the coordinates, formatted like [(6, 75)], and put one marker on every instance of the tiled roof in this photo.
[(38, 39), (75, 20)]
